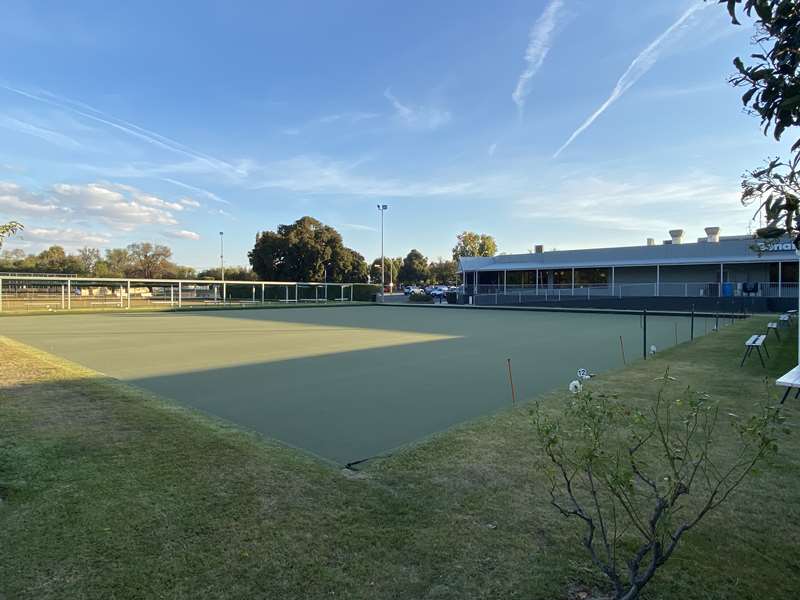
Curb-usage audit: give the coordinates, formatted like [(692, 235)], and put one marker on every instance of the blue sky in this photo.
[(570, 123)]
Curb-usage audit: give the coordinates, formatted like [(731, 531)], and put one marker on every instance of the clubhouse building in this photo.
[(712, 267)]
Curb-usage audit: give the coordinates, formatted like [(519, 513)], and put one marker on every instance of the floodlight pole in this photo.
[(382, 208), (222, 263)]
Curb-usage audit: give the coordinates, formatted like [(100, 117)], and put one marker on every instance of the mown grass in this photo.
[(109, 492), (10, 311)]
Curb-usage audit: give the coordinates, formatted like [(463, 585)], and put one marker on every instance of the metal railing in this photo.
[(632, 290), (21, 293)]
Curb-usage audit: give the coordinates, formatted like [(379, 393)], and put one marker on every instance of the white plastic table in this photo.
[(790, 381)]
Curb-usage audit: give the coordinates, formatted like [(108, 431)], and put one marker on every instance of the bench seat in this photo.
[(757, 341)]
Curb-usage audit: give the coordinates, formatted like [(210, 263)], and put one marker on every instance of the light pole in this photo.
[(221, 256), (325, 280), (222, 264), (382, 208)]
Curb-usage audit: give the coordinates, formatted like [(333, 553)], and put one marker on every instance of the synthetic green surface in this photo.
[(347, 383), (107, 491)]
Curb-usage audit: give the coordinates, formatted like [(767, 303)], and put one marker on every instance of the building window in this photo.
[(591, 276)]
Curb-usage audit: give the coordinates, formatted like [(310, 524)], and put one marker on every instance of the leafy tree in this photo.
[(118, 262), (148, 261), (231, 273), (414, 269), (347, 266), (88, 258), (56, 260), (772, 83), (444, 272), (639, 480), (137, 260), (391, 268), (174, 271), (13, 255), (473, 244), (306, 250), (9, 229)]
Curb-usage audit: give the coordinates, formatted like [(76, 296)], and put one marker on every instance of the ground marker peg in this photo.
[(511, 381)]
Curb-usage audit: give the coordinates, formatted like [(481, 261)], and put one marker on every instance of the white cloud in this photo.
[(183, 234), (639, 205), (65, 237), (349, 117), (418, 117), (150, 137), (358, 227), (17, 201), (198, 190), (539, 43), (638, 67), (43, 133), (190, 203), (122, 207), (492, 149), (306, 174)]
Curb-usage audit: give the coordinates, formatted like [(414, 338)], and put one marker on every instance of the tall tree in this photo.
[(56, 260), (88, 258), (444, 272), (771, 80), (149, 261), (347, 266), (391, 268), (470, 243), (414, 269), (306, 250), (117, 263)]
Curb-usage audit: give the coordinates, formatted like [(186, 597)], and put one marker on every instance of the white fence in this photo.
[(20, 293), (518, 294)]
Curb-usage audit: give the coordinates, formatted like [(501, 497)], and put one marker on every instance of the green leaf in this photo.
[(790, 102), (732, 12), (764, 11), (747, 95)]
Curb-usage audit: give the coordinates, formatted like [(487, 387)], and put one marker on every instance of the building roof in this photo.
[(742, 250)]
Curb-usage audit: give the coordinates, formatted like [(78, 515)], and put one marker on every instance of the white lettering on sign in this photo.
[(775, 246)]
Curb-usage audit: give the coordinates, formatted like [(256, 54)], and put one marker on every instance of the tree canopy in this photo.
[(444, 272), (306, 250), (414, 269), (137, 260), (470, 243), (391, 271), (8, 229), (233, 273), (771, 79)]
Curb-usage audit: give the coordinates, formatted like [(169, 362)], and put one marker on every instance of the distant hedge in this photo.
[(364, 293), (425, 298)]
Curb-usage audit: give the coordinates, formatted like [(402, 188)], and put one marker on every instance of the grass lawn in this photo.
[(109, 492)]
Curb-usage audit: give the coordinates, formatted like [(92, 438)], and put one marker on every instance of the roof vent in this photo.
[(712, 234), (651, 242), (539, 248), (676, 235)]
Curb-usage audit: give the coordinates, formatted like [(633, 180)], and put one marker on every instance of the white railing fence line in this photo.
[(643, 289), (59, 292)]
